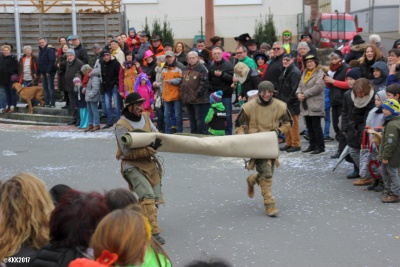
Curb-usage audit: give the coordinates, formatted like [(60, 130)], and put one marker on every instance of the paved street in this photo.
[(324, 220)]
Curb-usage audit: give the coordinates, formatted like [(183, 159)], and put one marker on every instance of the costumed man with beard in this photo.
[(262, 115), (140, 166)]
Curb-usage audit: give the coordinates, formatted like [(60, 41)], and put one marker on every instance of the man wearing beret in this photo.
[(263, 115), (140, 166)]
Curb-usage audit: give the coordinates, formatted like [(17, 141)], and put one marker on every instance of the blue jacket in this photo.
[(47, 59)]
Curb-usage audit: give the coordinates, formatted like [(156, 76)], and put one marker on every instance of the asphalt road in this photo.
[(324, 220)]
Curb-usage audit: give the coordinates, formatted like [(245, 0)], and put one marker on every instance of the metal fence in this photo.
[(227, 27)]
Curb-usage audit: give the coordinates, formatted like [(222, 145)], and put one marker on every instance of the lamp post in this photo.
[(17, 28)]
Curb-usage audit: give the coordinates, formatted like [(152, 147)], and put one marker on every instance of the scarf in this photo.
[(300, 63), (86, 79), (263, 102), (128, 64), (308, 74), (363, 101), (334, 67), (131, 116), (388, 117)]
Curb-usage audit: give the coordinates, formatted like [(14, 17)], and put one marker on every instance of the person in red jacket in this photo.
[(133, 40)]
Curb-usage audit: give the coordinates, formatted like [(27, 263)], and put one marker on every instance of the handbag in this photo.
[(369, 166)]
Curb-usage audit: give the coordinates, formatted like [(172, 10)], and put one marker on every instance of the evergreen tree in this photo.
[(168, 36), (265, 30)]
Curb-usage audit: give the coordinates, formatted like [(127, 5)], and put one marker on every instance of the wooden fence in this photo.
[(92, 28)]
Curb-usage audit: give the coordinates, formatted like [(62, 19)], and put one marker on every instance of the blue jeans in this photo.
[(327, 122), (109, 96), (228, 108), (48, 88), (93, 113), (177, 107), (103, 106), (3, 98), (11, 95), (197, 114)]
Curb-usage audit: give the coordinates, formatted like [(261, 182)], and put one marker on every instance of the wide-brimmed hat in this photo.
[(357, 39), (306, 34), (132, 98), (156, 38), (251, 41), (311, 57), (243, 37)]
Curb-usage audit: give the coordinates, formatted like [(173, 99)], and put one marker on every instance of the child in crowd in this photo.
[(380, 73), (389, 151), (393, 91), (143, 87), (79, 94), (216, 117), (375, 120)]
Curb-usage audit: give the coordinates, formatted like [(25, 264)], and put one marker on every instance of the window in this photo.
[(344, 25), (237, 2), (139, 1)]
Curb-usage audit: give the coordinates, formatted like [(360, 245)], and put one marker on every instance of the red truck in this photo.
[(334, 29)]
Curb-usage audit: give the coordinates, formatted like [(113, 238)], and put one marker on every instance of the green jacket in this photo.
[(249, 62), (390, 146), (210, 115), (150, 259)]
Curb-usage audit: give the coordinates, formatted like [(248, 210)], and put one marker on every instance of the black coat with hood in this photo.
[(81, 54), (288, 84), (49, 256), (356, 52)]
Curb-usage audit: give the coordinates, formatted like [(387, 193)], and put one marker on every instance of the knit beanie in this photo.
[(71, 52), (265, 46), (266, 85), (216, 97), (393, 106), (76, 80), (355, 74)]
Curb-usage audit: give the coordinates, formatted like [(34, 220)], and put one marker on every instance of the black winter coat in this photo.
[(288, 84), (274, 71), (336, 94), (224, 81), (356, 52), (110, 73), (8, 67), (73, 70), (251, 83), (24, 251), (151, 70), (366, 69), (47, 58), (61, 70), (354, 119), (81, 54), (48, 256)]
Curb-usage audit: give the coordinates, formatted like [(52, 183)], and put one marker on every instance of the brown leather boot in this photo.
[(95, 128), (89, 128), (251, 182)]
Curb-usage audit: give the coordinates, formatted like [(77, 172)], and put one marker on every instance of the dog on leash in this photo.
[(28, 93)]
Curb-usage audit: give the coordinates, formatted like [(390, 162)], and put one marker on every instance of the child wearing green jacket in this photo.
[(216, 117)]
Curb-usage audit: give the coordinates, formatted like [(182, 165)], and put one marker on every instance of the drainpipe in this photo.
[(73, 13), (17, 28)]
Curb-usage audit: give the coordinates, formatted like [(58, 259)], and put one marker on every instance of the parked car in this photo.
[(334, 29)]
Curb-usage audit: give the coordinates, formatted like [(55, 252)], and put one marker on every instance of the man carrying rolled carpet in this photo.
[(140, 166), (262, 115)]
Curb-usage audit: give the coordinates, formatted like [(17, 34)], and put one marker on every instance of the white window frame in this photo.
[(237, 2)]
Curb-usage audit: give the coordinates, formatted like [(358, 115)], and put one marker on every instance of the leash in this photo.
[(23, 87)]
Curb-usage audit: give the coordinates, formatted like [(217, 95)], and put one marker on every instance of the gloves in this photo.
[(278, 132), (156, 144)]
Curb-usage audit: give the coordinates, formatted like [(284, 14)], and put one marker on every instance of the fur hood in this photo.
[(359, 47)]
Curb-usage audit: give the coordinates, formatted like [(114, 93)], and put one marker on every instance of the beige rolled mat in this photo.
[(258, 145)]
